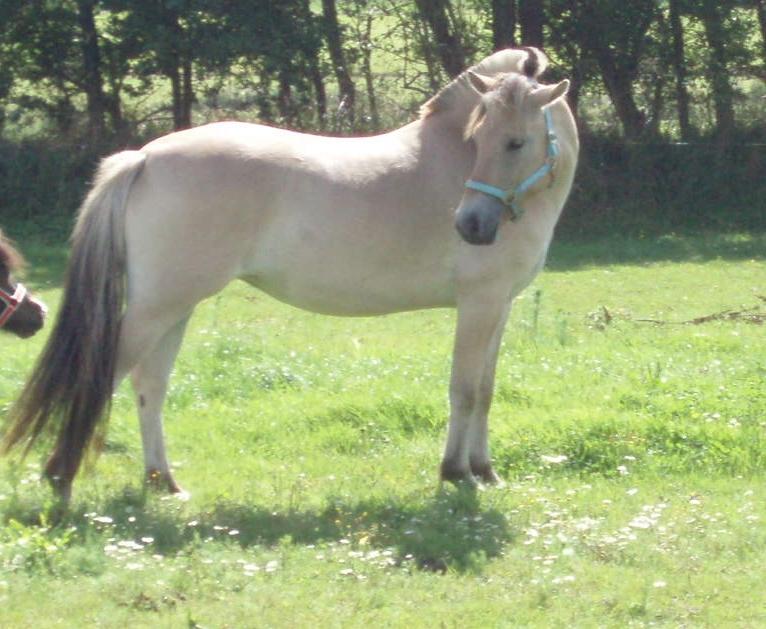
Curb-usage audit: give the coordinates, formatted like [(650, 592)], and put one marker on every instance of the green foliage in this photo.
[(38, 51), (43, 184), (165, 64), (663, 188), (278, 51)]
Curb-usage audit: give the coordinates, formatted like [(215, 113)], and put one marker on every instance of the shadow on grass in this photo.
[(702, 247), (448, 529)]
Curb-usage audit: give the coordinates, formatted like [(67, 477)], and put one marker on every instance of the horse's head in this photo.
[(515, 150), (20, 313)]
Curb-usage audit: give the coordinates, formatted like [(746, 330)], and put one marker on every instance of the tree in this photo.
[(276, 43), (614, 33), (41, 38), (314, 70), (162, 32), (713, 15), (338, 57), (92, 78), (503, 24), (361, 16), (449, 47), (173, 49), (679, 66), (532, 19), (574, 62), (760, 6)]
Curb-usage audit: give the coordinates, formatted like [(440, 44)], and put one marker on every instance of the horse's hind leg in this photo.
[(150, 379), (479, 329), (141, 338)]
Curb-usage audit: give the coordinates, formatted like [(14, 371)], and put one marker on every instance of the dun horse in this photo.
[(341, 226), (20, 313)]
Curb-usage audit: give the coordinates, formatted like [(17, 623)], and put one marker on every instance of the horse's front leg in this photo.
[(480, 322)]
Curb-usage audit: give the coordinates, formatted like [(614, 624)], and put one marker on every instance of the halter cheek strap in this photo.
[(11, 302), (510, 197)]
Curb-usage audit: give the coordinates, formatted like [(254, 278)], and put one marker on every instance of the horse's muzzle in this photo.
[(477, 222), (28, 318)]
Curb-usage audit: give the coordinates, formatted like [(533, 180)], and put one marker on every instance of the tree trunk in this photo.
[(761, 6), (285, 99), (338, 58), (263, 99), (428, 56), (503, 24), (369, 78), (94, 85), (187, 94), (314, 69), (679, 66), (578, 78), (320, 94), (449, 48), (114, 109), (617, 65), (620, 88), (173, 73), (175, 63), (532, 18), (723, 93)]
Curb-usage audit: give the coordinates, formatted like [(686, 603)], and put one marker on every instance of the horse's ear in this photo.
[(545, 94), (479, 82)]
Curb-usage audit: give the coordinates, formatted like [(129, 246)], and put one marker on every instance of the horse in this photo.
[(455, 209), (20, 313)]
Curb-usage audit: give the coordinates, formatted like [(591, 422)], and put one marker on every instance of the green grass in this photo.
[(635, 456)]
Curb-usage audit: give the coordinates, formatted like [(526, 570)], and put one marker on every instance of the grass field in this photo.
[(635, 455)]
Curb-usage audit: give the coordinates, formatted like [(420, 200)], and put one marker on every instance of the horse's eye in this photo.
[(514, 145)]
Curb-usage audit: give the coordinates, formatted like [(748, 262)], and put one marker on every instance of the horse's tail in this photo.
[(71, 384)]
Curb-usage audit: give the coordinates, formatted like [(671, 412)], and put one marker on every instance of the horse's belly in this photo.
[(356, 294), (354, 264)]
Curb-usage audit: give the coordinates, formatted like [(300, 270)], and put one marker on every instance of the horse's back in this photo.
[(249, 142)]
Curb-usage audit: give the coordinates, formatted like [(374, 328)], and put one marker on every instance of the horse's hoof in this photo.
[(487, 475), (163, 482), (181, 495), (459, 477), (62, 488)]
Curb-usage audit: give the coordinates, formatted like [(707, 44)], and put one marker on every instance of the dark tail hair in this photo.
[(71, 384)]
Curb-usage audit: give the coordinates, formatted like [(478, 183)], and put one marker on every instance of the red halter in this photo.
[(11, 302)]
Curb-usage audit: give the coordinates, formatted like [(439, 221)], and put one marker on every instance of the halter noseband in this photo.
[(509, 197), (10, 303)]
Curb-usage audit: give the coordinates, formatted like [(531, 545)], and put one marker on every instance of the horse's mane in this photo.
[(529, 61), (9, 257)]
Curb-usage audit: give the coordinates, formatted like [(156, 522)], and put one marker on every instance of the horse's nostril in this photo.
[(472, 224)]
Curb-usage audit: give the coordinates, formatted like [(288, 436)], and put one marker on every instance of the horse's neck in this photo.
[(443, 151)]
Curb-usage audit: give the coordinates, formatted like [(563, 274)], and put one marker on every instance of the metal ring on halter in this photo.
[(12, 302)]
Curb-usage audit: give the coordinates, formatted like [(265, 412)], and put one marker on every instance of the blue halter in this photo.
[(510, 197)]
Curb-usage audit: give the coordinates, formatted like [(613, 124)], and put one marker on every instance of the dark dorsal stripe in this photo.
[(531, 64)]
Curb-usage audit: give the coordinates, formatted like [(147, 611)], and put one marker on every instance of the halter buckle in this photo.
[(509, 198), (11, 302)]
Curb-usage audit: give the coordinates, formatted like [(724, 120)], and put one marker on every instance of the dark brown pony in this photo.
[(20, 313)]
